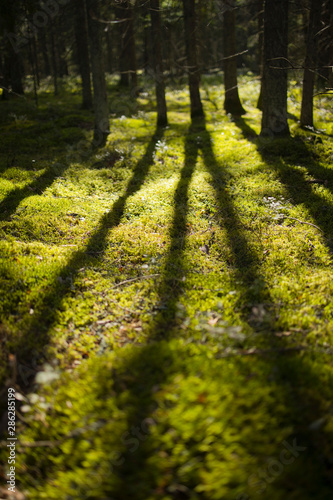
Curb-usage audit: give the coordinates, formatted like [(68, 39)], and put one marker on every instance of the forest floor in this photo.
[(166, 302)]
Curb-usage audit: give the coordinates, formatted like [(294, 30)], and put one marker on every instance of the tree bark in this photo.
[(275, 78), (310, 64), (127, 56), (162, 119), (61, 50), (35, 58), (109, 52), (82, 47), (54, 60), (325, 46), (260, 4), (13, 69), (330, 69), (42, 42), (232, 103), (101, 129), (191, 55)]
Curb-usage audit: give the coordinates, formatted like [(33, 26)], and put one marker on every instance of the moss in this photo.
[(176, 287)]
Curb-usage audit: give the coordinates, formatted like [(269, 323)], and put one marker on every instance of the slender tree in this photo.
[(61, 49), (310, 64), (82, 47), (54, 59), (43, 46), (330, 45), (158, 62), (275, 78), (191, 56), (232, 103), (260, 14), (101, 130), (13, 68), (109, 51), (127, 54)]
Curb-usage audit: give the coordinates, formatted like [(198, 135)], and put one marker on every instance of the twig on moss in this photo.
[(303, 222), (135, 279)]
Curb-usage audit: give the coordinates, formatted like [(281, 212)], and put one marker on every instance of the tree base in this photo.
[(197, 113), (234, 108), (100, 138), (162, 121), (267, 133)]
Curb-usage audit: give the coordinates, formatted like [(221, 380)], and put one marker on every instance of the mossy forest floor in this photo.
[(166, 301)]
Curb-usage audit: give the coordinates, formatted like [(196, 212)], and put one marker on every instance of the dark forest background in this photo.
[(169, 41)]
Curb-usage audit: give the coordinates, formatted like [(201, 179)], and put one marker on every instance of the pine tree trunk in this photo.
[(54, 60), (191, 55), (101, 129), (127, 56), (260, 4), (42, 42), (162, 119), (6, 78), (330, 44), (15, 71), (310, 63), (36, 62), (82, 46), (275, 77), (146, 50), (232, 103), (61, 50), (13, 68), (109, 53)]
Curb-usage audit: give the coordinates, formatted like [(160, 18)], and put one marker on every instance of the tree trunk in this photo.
[(35, 58), (191, 55), (330, 69), (82, 47), (310, 64), (13, 68), (232, 103), (260, 4), (109, 53), (42, 42), (325, 46), (101, 130), (162, 119), (15, 72), (127, 56), (61, 50), (275, 78), (54, 60)]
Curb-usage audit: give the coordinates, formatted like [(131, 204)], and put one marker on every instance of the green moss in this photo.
[(172, 293)]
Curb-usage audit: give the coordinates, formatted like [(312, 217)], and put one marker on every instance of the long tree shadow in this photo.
[(248, 132), (155, 363), (10, 203), (294, 150), (135, 474), (293, 164), (12, 200), (34, 336), (305, 406)]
